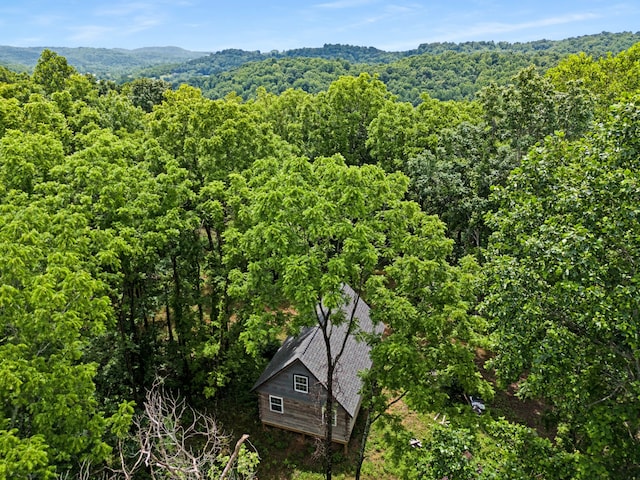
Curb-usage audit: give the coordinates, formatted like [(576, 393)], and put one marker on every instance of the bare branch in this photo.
[(232, 460), (174, 441)]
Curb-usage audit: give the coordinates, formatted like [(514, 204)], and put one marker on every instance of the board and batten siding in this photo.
[(281, 385), (304, 418), (302, 412)]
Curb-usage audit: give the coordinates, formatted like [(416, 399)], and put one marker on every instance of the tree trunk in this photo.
[(328, 419), (197, 290), (168, 313), (363, 443), (177, 301), (331, 365), (123, 339), (181, 326), (328, 406), (135, 357)]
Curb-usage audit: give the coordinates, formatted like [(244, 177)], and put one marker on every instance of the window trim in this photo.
[(277, 399), (296, 378)]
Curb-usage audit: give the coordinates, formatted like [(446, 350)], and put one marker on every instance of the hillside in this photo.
[(446, 71), (107, 63), (447, 76), (156, 246), (177, 65), (596, 45)]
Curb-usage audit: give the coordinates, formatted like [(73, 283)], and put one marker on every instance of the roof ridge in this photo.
[(309, 341)]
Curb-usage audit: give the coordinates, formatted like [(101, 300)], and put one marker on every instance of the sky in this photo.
[(210, 26)]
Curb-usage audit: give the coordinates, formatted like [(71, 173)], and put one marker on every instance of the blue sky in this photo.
[(210, 26)]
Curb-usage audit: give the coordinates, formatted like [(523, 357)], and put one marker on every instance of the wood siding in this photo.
[(302, 411), (281, 385), (304, 417)]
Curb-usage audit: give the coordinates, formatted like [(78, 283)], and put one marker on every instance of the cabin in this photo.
[(292, 389)]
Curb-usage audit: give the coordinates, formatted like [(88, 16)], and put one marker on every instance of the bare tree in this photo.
[(175, 441)]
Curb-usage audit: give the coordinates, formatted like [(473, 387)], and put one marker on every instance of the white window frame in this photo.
[(335, 415), (304, 381), (279, 403)]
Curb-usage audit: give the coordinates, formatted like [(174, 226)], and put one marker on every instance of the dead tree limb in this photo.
[(233, 457)]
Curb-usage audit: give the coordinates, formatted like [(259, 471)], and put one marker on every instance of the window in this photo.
[(301, 383), (335, 416), (275, 404)]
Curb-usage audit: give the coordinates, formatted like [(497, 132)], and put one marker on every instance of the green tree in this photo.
[(466, 151), (27, 158), (562, 294), (137, 217), (304, 229), (428, 350), (528, 109), (24, 457), (42, 116), (391, 136), (609, 78), (11, 115), (338, 122), (210, 140), (50, 305), (146, 92), (482, 448), (118, 114), (285, 113), (52, 71), (449, 453), (454, 179)]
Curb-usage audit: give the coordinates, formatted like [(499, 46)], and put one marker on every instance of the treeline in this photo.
[(148, 232), (446, 71), (595, 45), (104, 63), (448, 76)]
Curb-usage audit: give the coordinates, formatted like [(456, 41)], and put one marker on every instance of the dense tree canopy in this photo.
[(563, 291), (149, 232), (447, 71)]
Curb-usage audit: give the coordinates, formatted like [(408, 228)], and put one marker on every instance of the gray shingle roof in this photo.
[(309, 348)]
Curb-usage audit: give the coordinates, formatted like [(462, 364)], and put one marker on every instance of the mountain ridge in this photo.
[(445, 71), (119, 62)]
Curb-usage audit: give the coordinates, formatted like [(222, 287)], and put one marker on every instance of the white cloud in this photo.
[(30, 42), (47, 20), (400, 9), (123, 9), (545, 22), (482, 30), (131, 18), (143, 23), (90, 33), (339, 4)]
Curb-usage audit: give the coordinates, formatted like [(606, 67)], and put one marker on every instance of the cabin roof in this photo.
[(308, 347)]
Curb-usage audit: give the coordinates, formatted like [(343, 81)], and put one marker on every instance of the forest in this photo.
[(157, 245), (446, 71)]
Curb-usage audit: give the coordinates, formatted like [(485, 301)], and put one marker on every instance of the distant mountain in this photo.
[(111, 63), (175, 62), (215, 63), (595, 45), (448, 71)]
